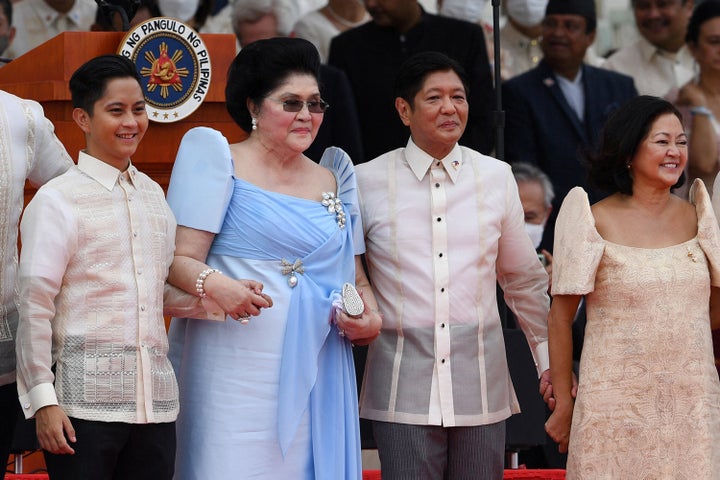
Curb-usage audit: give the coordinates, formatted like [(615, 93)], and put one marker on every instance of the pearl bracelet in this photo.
[(200, 282)]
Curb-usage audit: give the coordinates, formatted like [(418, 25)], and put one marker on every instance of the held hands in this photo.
[(54, 430), (360, 330), (237, 298), (558, 424), (546, 389)]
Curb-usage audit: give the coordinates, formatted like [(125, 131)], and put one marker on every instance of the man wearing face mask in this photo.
[(536, 196), (7, 31), (520, 36), (469, 10)]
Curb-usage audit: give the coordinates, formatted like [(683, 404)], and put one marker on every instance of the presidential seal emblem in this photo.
[(174, 66)]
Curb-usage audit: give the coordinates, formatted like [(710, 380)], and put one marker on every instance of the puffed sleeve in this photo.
[(578, 247), (201, 183), (338, 162), (708, 231)]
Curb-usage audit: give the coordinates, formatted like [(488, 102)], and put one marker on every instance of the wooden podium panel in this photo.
[(43, 75)]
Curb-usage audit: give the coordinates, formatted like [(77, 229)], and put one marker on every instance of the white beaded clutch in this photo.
[(352, 302)]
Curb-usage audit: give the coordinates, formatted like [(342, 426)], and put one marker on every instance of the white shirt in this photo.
[(36, 22), (574, 93), (28, 150), (97, 247), (655, 71), (439, 233), (520, 52)]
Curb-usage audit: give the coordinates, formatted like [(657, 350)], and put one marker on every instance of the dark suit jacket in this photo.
[(340, 126), (371, 56), (542, 129)]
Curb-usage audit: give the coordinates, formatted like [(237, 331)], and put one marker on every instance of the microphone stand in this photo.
[(499, 113)]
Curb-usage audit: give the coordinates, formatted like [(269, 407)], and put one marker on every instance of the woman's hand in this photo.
[(558, 425), (237, 298), (360, 330)]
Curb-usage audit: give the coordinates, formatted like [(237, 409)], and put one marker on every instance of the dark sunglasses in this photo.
[(294, 106)]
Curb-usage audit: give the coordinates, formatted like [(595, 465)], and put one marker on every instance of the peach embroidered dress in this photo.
[(648, 405)]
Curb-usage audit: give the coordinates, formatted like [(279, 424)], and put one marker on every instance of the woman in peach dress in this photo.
[(648, 262)]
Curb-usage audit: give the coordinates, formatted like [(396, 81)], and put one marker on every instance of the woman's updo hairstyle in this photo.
[(263, 66)]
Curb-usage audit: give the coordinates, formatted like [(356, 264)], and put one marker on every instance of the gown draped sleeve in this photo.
[(578, 246), (317, 368), (338, 162), (708, 231), (201, 184)]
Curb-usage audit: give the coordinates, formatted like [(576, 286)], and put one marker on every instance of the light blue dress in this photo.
[(276, 398)]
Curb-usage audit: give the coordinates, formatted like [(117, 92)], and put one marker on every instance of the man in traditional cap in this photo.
[(658, 60), (557, 109)]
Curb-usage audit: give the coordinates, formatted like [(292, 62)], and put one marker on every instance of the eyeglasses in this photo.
[(294, 106)]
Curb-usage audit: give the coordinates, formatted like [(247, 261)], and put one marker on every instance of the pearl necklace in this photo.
[(342, 20)]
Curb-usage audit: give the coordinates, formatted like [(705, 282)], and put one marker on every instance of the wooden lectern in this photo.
[(43, 74)]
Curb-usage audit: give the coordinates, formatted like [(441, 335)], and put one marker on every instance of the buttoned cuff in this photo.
[(541, 357), (38, 397)]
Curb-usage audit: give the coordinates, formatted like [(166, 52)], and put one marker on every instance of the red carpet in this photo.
[(509, 474), (375, 475)]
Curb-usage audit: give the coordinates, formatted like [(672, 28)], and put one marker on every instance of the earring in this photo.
[(254, 123)]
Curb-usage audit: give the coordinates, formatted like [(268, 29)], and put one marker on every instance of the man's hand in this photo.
[(52, 426), (546, 389)]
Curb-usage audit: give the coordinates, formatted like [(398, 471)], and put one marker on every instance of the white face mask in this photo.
[(470, 10), (535, 232), (181, 9), (527, 13)]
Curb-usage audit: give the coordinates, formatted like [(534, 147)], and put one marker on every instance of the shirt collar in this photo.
[(648, 50), (420, 161), (575, 82), (49, 14), (106, 175)]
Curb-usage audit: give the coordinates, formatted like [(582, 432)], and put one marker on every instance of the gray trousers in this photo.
[(429, 452)]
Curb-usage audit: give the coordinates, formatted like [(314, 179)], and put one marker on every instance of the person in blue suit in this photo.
[(555, 111)]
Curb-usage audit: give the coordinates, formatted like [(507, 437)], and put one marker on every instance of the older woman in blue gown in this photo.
[(272, 395)]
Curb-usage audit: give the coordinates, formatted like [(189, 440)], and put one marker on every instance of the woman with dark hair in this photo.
[(699, 99), (648, 262), (273, 397)]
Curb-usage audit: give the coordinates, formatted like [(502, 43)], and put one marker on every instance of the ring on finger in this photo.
[(243, 319)]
